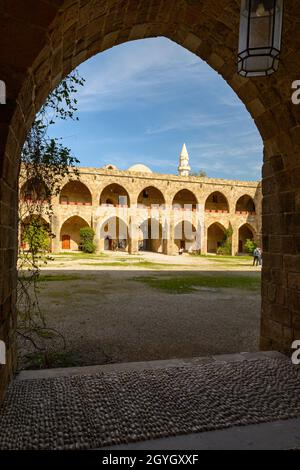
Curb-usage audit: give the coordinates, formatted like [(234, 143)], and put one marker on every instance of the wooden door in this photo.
[(66, 242)]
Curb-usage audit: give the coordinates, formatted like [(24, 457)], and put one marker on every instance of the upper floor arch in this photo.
[(245, 204), (217, 202), (34, 190), (114, 195), (75, 193), (185, 199), (151, 196)]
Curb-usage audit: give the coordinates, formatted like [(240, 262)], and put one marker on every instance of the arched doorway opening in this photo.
[(75, 193), (70, 233), (185, 199), (151, 236), (185, 236), (34, 190), (215, 236), (114, 195), (245, 205), (114, 234), (216, 202), (246, 232), (150, 197)]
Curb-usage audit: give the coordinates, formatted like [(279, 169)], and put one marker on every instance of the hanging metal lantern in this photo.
[(260, 37)]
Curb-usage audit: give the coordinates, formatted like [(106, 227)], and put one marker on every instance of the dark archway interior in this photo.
[(216, 202), (75, 193), (115, 195), (185, 199), (150, 197)]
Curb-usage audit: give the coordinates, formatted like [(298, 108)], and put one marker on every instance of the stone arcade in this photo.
[(136, 210)]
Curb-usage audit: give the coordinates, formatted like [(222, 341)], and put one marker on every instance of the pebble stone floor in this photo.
[(104, 409)]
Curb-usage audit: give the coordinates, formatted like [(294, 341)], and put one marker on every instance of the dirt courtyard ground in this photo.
[(120, 308)]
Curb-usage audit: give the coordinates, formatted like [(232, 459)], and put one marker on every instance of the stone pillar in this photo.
[(235, 241), (168, 232), (55, 229), (99, 244), (133, 246), (204, 241), (133, 241)]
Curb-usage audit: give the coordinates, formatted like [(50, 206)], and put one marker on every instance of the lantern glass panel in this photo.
[(260, 36)]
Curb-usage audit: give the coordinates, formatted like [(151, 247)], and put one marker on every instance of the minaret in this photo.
[(184, 167)]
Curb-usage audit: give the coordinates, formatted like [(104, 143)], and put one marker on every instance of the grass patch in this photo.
[(59, 277), (187, 284), (137, 264), (224, 257), (113, 263)]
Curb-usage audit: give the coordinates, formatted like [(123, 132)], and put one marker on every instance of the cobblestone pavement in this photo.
[(114, 407)]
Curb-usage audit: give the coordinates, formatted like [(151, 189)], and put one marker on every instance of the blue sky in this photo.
[(142, 100)]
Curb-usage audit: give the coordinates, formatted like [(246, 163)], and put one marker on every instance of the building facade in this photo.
[(138, 210)]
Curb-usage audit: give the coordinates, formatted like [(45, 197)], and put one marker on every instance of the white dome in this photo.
[(140, 168)]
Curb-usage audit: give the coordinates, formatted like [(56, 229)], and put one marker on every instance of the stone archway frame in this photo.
[(66, 33)]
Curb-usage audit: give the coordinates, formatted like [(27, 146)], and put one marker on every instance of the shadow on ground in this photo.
[(124, 315)]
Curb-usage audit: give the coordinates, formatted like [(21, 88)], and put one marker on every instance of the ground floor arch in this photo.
[(185, 236), (215, 236), (246, 232), (151, 236), (114, 234), (37, 222), (70, 233)]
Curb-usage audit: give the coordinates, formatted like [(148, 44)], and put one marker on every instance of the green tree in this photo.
[(45, 161), (87, 235), (226, 245), (202, 173), (37, 236), (250, 246)]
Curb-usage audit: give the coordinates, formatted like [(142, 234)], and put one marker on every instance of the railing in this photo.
[(184, 209), (245, 212), (119, 206), (75, 203), (217, 211)]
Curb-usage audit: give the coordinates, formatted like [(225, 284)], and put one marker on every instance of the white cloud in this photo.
[(192, 121), (138, 70)]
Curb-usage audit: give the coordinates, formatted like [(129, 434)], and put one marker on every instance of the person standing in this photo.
[(259, 256), (255, 256)]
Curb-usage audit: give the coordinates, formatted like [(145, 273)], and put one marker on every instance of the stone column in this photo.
[(168, 230), (55, 229), (204, 241), (235, 241), (133, 242), (99, 245)]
